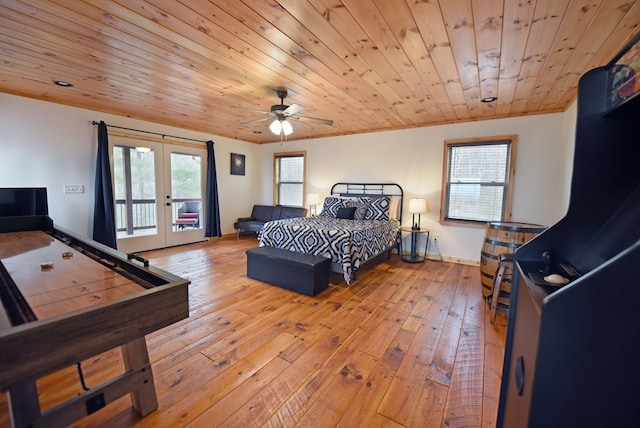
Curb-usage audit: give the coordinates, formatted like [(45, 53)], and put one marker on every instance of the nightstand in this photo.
[(413, 256)]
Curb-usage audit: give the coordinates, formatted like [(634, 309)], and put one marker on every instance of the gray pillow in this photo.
[(361, 209)]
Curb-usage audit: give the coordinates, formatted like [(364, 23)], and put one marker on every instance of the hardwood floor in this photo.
[(404, 345)]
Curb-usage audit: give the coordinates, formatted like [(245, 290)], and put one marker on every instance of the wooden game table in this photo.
[(66, 299)]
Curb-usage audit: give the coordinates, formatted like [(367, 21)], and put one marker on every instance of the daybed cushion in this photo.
[(290, 212), (261, 214), (264, 213)]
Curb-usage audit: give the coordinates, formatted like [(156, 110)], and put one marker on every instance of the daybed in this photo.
[(359, 222), (260, 214)]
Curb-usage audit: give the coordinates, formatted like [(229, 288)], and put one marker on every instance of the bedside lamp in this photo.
[(417, 206), (313, 199)]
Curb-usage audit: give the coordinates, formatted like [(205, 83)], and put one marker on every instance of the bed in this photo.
[(358, 223)]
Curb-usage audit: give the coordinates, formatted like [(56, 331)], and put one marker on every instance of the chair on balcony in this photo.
[(189, 215)]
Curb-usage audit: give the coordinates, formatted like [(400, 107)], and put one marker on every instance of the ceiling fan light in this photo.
[(276, 127), (287, 129)]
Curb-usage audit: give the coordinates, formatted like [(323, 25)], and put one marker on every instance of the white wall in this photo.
[(413, 158), (570, 123), (46, 144)]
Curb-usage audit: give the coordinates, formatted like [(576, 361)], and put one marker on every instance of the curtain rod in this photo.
[(149, 132)]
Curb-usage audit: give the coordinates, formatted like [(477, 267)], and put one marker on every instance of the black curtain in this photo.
[(212, 219), (104, 222)]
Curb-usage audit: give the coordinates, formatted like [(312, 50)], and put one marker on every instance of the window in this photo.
[(477, 179), (289, 178)]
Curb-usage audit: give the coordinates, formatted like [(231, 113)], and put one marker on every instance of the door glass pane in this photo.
[(186, 191), (135, 190)]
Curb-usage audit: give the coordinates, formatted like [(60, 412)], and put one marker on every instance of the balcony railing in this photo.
[(140, 216)]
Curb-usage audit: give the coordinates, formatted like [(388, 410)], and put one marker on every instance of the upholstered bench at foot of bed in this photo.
[(304, 273)]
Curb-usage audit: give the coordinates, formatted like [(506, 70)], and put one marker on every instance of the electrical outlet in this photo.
[(74, 188)]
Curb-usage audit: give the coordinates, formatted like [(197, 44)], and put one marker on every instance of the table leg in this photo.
[(24, 405), (414, 243), (136, 357)]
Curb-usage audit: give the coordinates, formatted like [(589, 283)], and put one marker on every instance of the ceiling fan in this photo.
[(282, 114)]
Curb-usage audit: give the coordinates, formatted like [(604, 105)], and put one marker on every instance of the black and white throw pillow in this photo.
[(331, 206), (378, 209), (361, 209)]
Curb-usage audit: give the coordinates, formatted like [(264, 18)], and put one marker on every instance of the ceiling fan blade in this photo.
[(251, 109), (315, 119), (248, 122), (293, 109)]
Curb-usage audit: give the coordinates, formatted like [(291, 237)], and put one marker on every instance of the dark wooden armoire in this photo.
[(572, 355)]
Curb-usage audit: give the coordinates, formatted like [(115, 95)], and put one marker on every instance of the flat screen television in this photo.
[(23, 201)]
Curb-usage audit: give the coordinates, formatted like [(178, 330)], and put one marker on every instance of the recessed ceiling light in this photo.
[(257, 132), (63, 83), (489, 99)]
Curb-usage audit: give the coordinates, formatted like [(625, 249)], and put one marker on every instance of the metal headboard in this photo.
[(368, 189)]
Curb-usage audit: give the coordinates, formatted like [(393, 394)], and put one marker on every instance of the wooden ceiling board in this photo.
[(609, 14), (580, 13), (373, 46), (618, 37), (434, 33), (488, 39), (380, 88), (458, 18), (403, 27), (326, 63), (368, 65), (516, 25), (546, 19), (385, 42)]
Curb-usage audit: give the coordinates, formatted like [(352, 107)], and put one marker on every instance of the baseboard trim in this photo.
[(436, 257)]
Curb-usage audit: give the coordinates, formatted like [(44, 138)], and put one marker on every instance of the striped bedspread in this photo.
[(348, 243)]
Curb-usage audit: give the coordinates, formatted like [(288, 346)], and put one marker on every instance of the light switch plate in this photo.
[(74, 188)]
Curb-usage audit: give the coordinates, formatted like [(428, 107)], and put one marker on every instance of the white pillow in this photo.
[(394, 208)]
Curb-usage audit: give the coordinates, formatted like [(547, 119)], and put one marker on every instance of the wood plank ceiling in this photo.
[(368, 65)]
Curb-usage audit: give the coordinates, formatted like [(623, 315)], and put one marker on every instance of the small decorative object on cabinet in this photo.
[(413, 256)]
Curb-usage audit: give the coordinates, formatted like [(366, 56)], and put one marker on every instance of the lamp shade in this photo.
[(281, 126), (313, 198), (417, 206), (287, 129), (276, 127)]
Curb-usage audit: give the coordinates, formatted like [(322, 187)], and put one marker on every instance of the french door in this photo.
[(158, 190)]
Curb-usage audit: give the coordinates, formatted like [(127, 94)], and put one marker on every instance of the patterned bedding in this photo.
[(348, 243)]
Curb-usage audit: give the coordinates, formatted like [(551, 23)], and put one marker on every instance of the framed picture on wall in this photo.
[(237, 164)]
